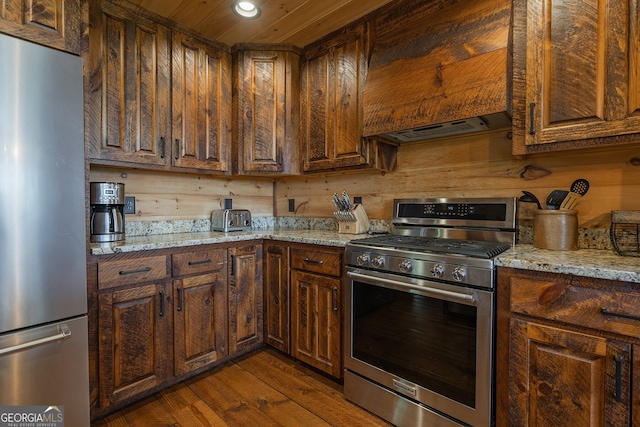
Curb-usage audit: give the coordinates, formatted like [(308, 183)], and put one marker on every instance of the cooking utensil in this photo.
[(528, 197), (579, 188), (555, 198)]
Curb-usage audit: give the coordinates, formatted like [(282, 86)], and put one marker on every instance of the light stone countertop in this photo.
[(164, 241), (603, 264)]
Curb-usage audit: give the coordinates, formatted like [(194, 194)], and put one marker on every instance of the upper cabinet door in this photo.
[(331, 97), (267, 111), (53, 23), (576, 68), (201, 105), (129, 89)]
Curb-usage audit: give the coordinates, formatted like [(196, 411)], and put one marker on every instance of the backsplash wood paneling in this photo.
[(166, 196), (479, 165)]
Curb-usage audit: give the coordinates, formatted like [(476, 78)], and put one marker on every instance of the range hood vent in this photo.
[(438, 69), (474, 124)]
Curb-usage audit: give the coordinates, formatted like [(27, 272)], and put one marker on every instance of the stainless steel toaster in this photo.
[(231, 220)]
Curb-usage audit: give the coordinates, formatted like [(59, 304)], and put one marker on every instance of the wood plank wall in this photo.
[(166, 196), (479, 165)]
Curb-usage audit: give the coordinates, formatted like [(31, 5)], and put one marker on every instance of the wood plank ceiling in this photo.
[(297, 22)]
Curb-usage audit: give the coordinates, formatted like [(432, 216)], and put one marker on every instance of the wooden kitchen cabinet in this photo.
[(200, 309), (55, 23), (576, 67), (157, 98), (316, 307), (332, 81), (267, 109), (128, 101), (276, 295), (245, 297), (135, 342), (201, 105), (561, 360)]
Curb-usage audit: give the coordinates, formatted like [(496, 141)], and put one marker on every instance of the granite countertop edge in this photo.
[(595, 263)]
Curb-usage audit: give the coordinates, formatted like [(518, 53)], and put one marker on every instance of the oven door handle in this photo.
[(467, 298)]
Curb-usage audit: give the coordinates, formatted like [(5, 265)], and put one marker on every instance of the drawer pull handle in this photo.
[(161, 303), (334, 299), (618, 394), (310, 261), (607, 312), (206, 261), (144, 270), (179, 299)]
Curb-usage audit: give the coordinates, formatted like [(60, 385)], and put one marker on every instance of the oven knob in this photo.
[(362, 259), (405, 266), (437, 270), (459, 273), (377, 262)]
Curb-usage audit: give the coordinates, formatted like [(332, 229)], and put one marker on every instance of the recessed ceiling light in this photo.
[(246, 9)]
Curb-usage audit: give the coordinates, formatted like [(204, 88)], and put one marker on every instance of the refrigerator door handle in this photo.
[(63, 333)]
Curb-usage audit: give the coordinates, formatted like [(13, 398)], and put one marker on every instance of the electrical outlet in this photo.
[(292, 205), (228, 203), (357, 200), (129, 205)]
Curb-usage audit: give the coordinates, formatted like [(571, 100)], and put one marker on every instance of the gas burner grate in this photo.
[(472, 248)]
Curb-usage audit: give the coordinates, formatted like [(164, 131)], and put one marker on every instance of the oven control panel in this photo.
[(484, 212), (462, 270), (481, 212)]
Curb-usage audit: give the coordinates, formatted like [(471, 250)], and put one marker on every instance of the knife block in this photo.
[(359, 223)]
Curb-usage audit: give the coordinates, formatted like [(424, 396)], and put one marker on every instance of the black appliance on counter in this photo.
[(420, 310)]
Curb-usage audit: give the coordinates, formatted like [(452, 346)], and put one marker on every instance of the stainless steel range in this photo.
[(420, 309)]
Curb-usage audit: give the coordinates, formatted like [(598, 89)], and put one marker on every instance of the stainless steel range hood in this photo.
[(456, 127), (437, 71)]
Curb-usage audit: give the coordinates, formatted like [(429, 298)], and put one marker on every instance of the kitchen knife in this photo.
[(338, 202), (347, 200)]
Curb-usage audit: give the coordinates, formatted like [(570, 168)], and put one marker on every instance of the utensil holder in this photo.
[(556, 230), (354, 221)]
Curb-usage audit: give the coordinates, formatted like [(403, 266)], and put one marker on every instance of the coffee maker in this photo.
[(107, 211)]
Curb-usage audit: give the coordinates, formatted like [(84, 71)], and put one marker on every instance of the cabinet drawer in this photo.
[(321, 261), (602, 309), (198, 262), (129, 271)]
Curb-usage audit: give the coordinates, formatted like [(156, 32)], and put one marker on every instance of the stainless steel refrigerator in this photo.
[(43, 294)]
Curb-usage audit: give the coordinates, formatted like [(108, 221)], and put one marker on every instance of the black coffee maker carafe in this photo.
[(107, 211)]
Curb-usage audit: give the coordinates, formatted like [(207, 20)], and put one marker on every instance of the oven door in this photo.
[(429, 341)]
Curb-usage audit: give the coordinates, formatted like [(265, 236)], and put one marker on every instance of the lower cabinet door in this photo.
[(563, 378), (315, 321), (135, 342), (245, 298), (200, 321), (276, 298)]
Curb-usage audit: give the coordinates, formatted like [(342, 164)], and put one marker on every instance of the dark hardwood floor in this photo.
[(263, 388)]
